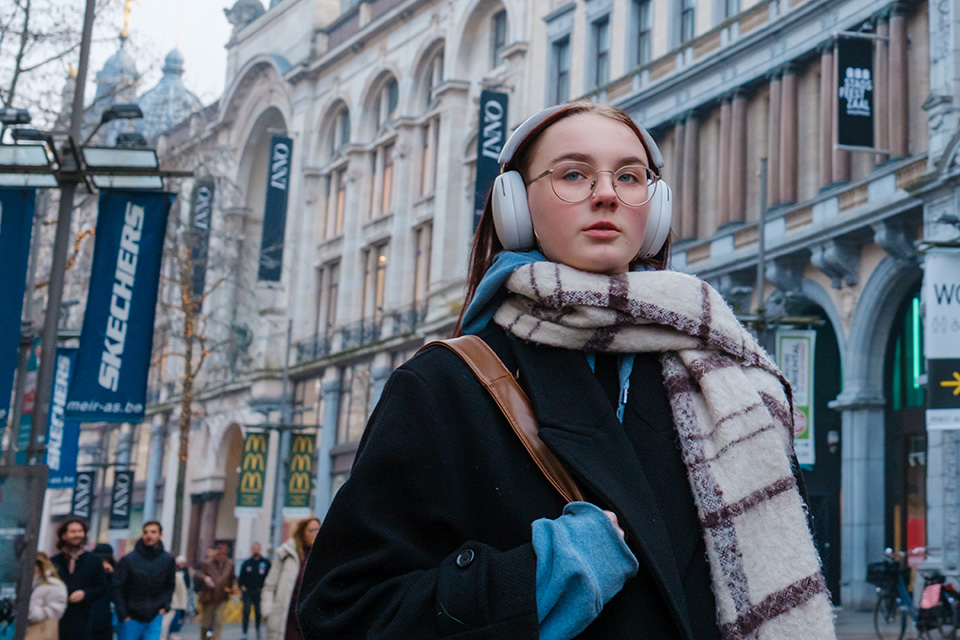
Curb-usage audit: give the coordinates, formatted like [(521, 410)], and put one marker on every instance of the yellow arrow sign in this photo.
[(955, 383)]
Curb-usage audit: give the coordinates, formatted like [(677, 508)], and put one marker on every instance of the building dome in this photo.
[(168, 102)]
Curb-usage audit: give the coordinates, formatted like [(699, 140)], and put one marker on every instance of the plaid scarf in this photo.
[(733, 412)]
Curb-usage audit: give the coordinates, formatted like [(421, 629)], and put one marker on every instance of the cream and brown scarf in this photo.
[(733, 412)]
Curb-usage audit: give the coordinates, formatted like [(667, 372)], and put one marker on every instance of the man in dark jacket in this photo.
[(82, 572), (144, 580), (253, 572)]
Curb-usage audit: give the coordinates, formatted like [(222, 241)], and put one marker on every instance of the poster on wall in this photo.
[(855, 102), (941, 338), (253, 475), (795, 351)]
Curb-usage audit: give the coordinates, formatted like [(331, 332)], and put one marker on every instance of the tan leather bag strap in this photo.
[(513, 402)]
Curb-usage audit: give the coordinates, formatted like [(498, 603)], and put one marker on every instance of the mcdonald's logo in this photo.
[(300, 463), (251, 483), (299, 483), (256, 443), (302, 444), (254, 463)]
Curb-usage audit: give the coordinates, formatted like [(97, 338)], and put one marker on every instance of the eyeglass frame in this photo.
[(650, 172)]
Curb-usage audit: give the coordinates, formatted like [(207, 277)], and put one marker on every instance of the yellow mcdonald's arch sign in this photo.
[(255, 443), (254, 462), (251, 482), (299, 483), (302, 444), (300, 463)]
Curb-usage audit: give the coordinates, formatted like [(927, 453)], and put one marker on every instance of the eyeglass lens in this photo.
[(576, 181)]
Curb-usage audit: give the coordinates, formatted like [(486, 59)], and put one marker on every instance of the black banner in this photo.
[(492, 134), (201, 209), (855, 92), (275, 209), (943, 375), (120, 499), (80, 504)]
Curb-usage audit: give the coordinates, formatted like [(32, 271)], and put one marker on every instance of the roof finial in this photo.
[(127, 8)]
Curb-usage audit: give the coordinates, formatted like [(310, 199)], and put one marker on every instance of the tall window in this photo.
[(561, 66), (382, 174), (601, 51), (386, 103), (433, 78), (336, 202), (423, 245), (499, 37), (341, 131), (687, 26), (644, 34), (328, 283), (429, 143), (730, 8), (374, 281)]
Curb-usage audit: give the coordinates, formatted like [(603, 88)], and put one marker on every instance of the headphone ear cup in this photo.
[(658, 220), (511, 213)]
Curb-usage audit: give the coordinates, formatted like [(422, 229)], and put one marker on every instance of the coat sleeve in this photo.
[(397, 556), (119, 581), (169, 585), (48, 602)]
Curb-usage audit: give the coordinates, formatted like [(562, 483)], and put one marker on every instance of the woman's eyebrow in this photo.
[(582, 157)]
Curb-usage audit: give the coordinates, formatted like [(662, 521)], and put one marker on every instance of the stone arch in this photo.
[(325, 125), (475, 33), (416, 100), (263, 72), (367, 125)]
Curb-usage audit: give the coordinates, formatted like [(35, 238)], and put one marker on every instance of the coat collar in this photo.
[(580, 426)]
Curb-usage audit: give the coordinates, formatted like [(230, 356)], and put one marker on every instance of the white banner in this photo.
[(795, 351), (941, 335)]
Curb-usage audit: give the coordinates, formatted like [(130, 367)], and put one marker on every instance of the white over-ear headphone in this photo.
[(511, 213)]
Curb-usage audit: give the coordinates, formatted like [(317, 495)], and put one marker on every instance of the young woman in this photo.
[(48, 601), (277, 604), (672, 420)]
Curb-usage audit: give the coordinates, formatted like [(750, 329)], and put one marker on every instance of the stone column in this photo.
[(691, 175), (898, 87), (158, 435), (208, 522), (675, 178), (881, 98), (841, 159), (195, 555), (328, 439), (828, 98), (788, 136), (738, 158), (862, 482), (723, 178), (773, 143)]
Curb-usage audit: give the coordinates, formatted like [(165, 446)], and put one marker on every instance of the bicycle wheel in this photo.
[(888, 620), (944, 627)]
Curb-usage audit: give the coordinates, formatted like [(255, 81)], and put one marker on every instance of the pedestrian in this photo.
[(145, 580), (283, 582), (83, 574), (48, 601), (253, 572), (103, 618), (215, 583), (674, 424), (181, 592)]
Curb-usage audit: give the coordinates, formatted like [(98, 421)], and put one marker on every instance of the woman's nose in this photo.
[(604, 195)]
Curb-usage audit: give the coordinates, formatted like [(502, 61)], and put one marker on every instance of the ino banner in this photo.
[(110, 384), (253, 474), (83, 494), (492, 135), (275, 209)]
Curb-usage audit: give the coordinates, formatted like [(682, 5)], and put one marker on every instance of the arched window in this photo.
[(338, 137), (430, 125), (384, 108)]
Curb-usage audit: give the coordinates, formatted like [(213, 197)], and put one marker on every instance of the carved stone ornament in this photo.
[(243, 12), (892, 238), (839, 260), (786, 273)]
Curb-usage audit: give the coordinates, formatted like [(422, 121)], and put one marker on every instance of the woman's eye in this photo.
[(629, 177), (573, 175)]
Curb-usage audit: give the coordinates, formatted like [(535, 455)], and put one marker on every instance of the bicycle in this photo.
[(936, 618)]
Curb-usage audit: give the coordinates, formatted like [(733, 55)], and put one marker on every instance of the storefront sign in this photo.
[(63, 436), (275, 209), (117, 337), (941, 322), (253, 474), (82, 499), (795, 352), (855, 92), (296, 503), (201, 211), (16, 225), (490, 139), (120, 499)]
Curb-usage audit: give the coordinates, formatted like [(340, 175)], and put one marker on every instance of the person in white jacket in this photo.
[(48, 601), (283, 582)]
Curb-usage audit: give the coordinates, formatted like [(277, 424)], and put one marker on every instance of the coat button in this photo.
[(465, 558)]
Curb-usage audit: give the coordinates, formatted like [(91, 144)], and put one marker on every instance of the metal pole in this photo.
[(761, 235), (60, 245), (286, 412)]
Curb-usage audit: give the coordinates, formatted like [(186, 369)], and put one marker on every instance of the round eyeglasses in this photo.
[(575, 182)]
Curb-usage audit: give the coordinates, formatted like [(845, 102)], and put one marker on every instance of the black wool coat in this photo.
[(88, 575), (431, 535)]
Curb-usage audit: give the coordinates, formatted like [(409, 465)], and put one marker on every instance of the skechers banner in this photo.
[(493, 133), (120, 499), (296, 502), (275, 209), (117, 336), (855, 92), (63, 436), (16, 224), (201, 208), (253, 473)]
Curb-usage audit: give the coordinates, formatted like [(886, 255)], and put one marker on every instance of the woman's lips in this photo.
[(602, 230)]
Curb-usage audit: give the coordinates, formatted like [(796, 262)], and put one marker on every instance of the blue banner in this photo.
[(490, 139), (16, 225), (63, 436), (275, 209), (110, 384)]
